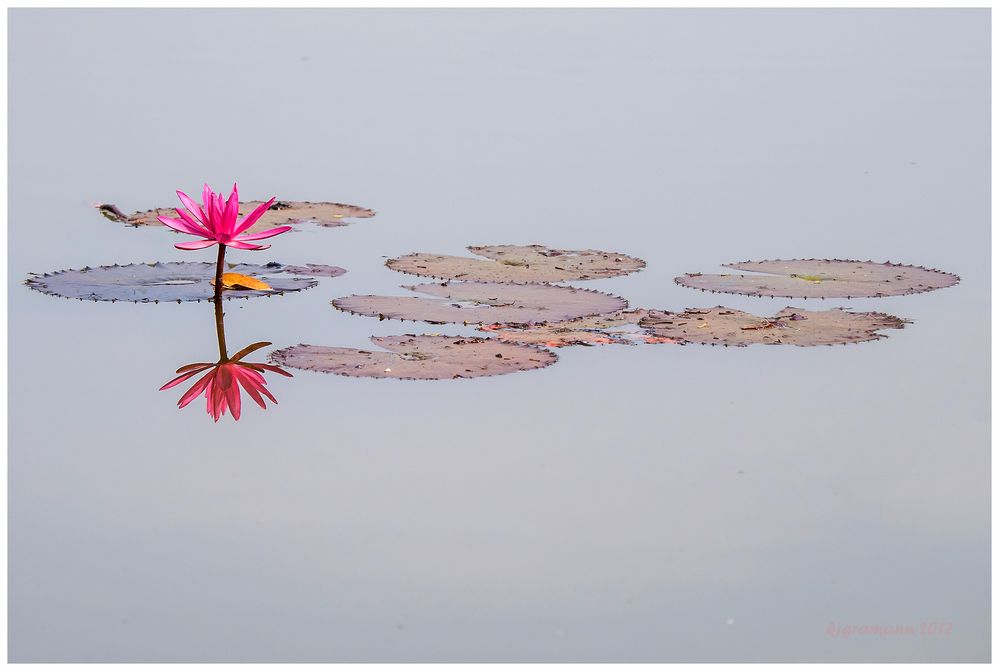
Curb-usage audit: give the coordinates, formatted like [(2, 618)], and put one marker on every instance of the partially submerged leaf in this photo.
[(281, 213), (161, 281), (413, 357), (822, 278), (519, 263), (619, 328), (315, 270), (485, 303), (791, 326)]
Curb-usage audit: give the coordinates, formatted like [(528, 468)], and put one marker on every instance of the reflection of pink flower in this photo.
[(217, 223), (221, 383)]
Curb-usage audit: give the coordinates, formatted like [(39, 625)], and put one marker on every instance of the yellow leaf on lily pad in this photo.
[(237, 281)]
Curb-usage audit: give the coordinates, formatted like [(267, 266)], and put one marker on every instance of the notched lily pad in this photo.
[(822, 278), (617, 328), (281, 213), (315, 270), (790, 326), (520, 264), (412, 357), (162, 281), (485, 303)]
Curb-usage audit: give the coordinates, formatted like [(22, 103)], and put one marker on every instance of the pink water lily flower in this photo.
[(217, 221), (221, 384)]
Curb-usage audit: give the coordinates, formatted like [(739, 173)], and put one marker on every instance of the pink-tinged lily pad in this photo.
[(791, 326), (519, 263), (485, 303), (281, 213), (412, 357), (616, 328), (822, 278), (163, 281)]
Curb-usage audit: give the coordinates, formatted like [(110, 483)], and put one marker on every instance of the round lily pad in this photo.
[(163, 281), (485, 303), (617, 328), (412, 357), (822, 278), (281, 213), (519, 263), (791, 326)]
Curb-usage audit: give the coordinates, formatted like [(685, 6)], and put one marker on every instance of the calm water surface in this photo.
[(627, 504)]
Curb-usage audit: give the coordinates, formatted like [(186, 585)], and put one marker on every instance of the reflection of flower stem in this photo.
[(220, 327), (218, 272)]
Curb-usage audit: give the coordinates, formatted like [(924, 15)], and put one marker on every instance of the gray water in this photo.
[(653, 503)]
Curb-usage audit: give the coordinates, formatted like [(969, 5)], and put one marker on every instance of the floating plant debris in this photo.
[(616, 328), (237, 281), (523, 264), (163, 281), (485, 303), (413, 357), (822, 278), (280, 213), (790, 326)]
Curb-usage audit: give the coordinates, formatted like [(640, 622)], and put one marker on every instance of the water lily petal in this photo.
[(185, 376), (196, 390), (192, 207), (252, 217), (197, 244), (269, 233), (182, 226), (245, 245)]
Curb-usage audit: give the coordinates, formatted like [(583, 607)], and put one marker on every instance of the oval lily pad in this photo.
[(791, 326), (412, 357), (281, 213), (315, 270), (519, 263), (822, 278), (618, 328), (162, 281), (485, 303)]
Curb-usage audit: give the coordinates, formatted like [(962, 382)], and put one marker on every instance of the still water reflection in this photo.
[(225, 380)]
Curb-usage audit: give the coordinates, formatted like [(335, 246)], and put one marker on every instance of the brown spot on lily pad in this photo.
[(485, 303), (619, 328), (822, 278), (519, 263), (412, 357), (791, 326), (162, 281), (281, 213)]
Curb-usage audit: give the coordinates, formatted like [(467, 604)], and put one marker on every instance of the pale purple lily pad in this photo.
[(163, 281), (519, 263), (281, 213), (485, 303), (315, 270), (822, 278), (791, 326), (616, 328), (412, 357)]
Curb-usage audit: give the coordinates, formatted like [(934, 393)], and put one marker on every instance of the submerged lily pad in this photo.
[(163, 281), (619, 328), (281, 213), (485, 303), (790, 326), (517, 263), (822, 278), (413, 357)]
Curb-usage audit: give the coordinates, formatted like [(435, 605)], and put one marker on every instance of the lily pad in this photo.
[(485, 303), (281, 213), (822, 278), (521, 264), (790, 326), (617, 328), (315, 270), (163, 281), (413, 357)]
